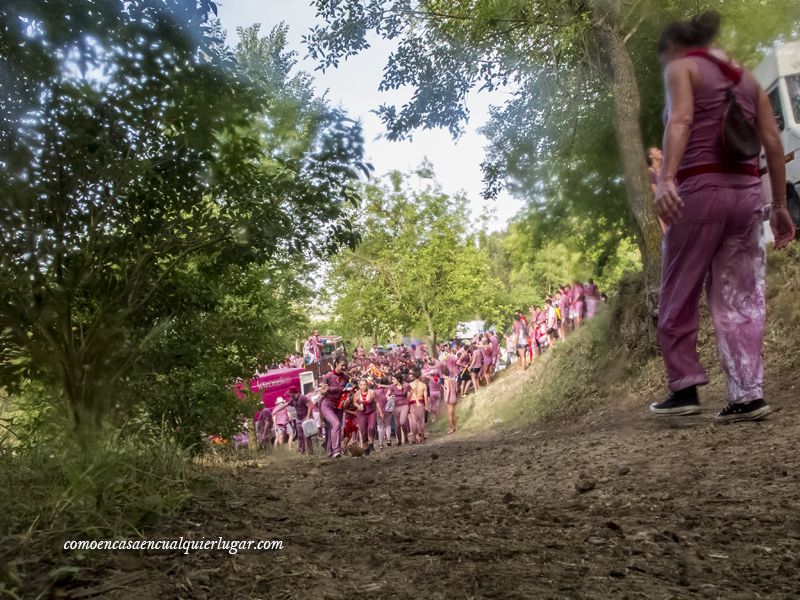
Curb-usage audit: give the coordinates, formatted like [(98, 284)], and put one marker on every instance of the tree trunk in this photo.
[(615, 65), (429, 323)]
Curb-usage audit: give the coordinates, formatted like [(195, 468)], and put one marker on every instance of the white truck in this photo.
[(779, 75)]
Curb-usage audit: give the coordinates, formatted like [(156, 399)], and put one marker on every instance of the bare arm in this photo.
[(680, 95), (782, 225)]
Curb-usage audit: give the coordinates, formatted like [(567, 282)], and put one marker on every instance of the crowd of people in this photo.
[(561, 313), (384, 396)]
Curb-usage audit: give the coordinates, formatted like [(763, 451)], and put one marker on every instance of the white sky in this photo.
[(354, 86)]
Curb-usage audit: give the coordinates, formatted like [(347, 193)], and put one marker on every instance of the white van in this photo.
[(779, 75)]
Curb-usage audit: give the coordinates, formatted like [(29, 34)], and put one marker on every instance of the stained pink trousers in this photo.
[(401, 421), (333, 416), (367, 423), (716, 242), (418, 423)]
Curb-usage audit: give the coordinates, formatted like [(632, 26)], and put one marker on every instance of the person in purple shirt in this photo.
[(336, 381), (713, 205), (303, 406), (592, 299), (367, 416)]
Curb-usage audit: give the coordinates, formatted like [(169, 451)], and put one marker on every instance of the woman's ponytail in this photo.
[(697, 32)]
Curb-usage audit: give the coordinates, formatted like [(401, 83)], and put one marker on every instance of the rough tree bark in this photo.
[(614, 64)]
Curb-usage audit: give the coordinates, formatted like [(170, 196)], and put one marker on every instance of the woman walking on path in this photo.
[(710, 197), (335, 382), (451, 398)]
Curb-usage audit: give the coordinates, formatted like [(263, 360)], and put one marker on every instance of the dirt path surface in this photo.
[(615, 505)]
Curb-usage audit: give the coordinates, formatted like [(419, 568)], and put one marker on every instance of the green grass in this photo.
[(117, 485), (562, 382)]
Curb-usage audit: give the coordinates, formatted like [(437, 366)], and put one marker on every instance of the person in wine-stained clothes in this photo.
[(654, 160), (335, 380), (566, 311), (281, 416), (315, 345), (367, 415), (520, 332), (303, 405), (451, 361), (418, 404), (264, 428), (433, 373), (577, 303), (384, 419), (712, 202), (462, 366), (475, 365), (592, 299), (400, 390), (486, 351), (450, 398), (495, 343)]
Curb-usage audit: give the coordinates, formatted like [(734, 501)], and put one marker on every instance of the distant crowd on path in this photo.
[(386, 396), (562, 313), (380, 397)]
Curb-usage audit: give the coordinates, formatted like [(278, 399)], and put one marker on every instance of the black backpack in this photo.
[(738, 138)]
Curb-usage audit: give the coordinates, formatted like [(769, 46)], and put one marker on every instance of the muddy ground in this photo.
[(614, 505)]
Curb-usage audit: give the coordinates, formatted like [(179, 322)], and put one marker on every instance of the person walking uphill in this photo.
[(335, 382), (710, 196)]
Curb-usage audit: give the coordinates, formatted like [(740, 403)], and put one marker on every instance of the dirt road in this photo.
[(616, 505)]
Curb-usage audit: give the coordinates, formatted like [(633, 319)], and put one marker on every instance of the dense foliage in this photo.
[(155, 185), (418, 266)]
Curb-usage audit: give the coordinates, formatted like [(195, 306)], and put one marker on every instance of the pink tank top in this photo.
[(709, 106)]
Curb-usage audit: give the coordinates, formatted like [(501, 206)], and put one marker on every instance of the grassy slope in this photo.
[(593, 368)]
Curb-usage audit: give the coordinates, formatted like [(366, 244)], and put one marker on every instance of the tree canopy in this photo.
[(149, 171), (418, 265)]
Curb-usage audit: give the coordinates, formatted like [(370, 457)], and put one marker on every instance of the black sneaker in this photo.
[(681, 403), (744, 411)]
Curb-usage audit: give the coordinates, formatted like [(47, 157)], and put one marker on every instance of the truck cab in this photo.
[(779, 75)]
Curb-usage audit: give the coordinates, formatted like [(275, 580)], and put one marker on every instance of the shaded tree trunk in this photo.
[(615, 65), (431, 330)]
